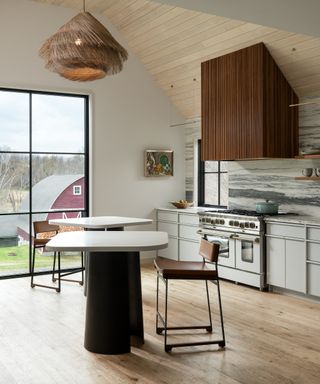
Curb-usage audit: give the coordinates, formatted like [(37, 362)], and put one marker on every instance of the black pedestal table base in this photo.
[(114, 302)]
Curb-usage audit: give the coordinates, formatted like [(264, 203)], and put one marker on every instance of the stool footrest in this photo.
[(45, 286), (221, 344)]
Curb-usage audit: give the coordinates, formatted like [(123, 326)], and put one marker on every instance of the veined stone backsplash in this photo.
[(252, 181)]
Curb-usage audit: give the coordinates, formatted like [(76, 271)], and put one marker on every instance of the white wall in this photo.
[(300, 16), (129, 112)]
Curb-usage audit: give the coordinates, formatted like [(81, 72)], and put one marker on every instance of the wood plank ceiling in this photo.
[(171, 43)]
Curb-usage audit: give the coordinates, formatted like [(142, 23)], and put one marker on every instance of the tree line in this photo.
[(15, 174)]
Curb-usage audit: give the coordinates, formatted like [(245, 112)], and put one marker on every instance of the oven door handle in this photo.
[(213, 233), (244, 238)]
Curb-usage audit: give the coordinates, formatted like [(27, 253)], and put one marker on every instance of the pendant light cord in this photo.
[(84, 5)]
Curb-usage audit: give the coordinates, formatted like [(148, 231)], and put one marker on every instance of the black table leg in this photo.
[(114, 302), (135, 298)]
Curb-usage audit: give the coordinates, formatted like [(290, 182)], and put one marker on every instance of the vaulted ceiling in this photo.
[(172, 42)]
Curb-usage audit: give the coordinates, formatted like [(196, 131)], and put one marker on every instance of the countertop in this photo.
[(292, 218), (289, 218)]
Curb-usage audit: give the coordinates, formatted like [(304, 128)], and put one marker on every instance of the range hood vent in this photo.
[(245, 108)]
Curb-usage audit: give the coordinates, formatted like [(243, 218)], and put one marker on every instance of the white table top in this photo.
[(101, 221), (125, 241)]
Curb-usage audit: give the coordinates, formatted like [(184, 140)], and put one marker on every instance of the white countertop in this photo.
[(295, 219), (101, 221), (115, 241)]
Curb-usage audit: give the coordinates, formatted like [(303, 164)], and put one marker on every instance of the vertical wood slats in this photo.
[(245, 107)]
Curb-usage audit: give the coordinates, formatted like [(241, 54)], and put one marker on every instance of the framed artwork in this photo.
[(158, 162)]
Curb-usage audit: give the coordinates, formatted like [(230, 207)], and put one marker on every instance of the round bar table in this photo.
[(114, 300)]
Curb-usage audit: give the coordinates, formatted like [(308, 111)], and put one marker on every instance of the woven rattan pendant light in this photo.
[(83, 50)]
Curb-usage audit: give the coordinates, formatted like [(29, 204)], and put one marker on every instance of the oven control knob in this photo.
[(231, 222), (222, 221), (241, 225), (252, 225), (213, 221), (246, 224), (236, 223)]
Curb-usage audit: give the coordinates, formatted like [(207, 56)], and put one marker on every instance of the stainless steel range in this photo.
[(242, 244)]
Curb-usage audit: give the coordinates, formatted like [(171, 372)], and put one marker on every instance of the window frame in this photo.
[(201, 181), (30, 153)]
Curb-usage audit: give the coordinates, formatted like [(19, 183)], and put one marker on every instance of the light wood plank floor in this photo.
[(271, 338)]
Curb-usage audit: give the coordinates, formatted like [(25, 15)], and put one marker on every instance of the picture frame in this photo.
[(158, 162)]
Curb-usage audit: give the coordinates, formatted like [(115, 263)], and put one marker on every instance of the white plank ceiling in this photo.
[(172, 42)]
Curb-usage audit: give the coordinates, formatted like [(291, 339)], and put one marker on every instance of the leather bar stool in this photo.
[(46, 232), (183, 270)]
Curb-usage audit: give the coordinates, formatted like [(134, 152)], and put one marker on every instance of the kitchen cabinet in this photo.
[(245, 107), (313, 260), (182, 230), (286, 256)]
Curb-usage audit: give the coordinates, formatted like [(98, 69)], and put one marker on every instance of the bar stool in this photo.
[(183, 270), (48, 231)]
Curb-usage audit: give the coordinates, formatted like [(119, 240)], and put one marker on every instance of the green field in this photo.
[(16, 260)]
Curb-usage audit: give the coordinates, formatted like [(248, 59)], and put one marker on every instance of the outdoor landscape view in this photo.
[(41, 178)]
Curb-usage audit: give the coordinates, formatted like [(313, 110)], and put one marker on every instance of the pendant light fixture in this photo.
[(83, 50)]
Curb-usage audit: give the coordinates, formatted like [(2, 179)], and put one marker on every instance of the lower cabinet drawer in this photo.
[(189, 251), (313, 251), (189, 232), (313, 279), (171, 252), (170, 228), (168, 216)]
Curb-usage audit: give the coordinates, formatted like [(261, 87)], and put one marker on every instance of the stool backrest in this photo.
[(44, 226), (209, 251)]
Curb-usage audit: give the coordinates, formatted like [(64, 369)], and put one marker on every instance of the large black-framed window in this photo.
[(44, 158), (212, 182)]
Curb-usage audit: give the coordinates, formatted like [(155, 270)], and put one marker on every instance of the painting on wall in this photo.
[(158, 162)]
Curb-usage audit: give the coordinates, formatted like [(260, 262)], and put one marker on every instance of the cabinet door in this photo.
[(189, 251), (314, 279), (276, 262), (171, 252), (295, 265)]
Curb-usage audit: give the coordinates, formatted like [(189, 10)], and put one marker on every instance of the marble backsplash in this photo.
[(252, 181)]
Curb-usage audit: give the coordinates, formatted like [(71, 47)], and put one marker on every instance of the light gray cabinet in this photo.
[(182, 230), (313, 260), (286, 256)]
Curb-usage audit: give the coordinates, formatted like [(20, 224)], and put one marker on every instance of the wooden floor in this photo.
[(271, 338)]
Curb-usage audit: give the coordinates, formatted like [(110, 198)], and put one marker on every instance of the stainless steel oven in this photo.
[(242, 246)]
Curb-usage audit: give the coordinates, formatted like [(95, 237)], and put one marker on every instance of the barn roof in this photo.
[(44, 194)]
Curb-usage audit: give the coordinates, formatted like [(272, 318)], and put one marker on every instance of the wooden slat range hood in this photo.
[(245, 108)]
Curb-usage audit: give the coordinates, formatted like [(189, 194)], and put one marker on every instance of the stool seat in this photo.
[(186, 270)]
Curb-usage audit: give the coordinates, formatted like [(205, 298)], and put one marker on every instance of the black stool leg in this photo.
[(59, 272), (32, 266), (82, 269), (209, 329), (167, 348), (223, 343), (54, 266)]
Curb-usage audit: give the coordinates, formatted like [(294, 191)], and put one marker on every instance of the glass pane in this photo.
[(247, 251), (57, 123), (57, 181), (211, 189), (224, 189), (14, 183), (14, 121), (224, 166), (14, 244), (211, 166)]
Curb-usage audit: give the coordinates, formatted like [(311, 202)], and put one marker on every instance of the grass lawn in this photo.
[(16, 259)]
